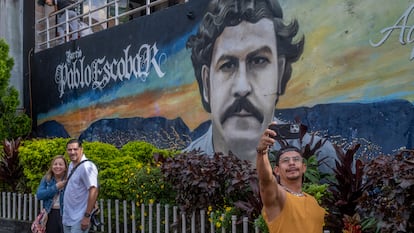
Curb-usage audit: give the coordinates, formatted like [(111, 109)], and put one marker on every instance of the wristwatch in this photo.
[(88, 215)]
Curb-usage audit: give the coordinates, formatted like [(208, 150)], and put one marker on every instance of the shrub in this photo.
[(114, 179), (389, 189), (144, 151), (201, 181), (101, 153), (139, 150), (120, 169), (35, 157), (11, 171), (148, 186), (113, 168), (346, 188), (261, 224), (312, 182), (222, 217)]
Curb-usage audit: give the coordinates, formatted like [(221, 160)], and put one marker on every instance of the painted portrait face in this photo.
[(240, 85)]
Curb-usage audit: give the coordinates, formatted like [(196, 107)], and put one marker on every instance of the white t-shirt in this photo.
[(76, 192)]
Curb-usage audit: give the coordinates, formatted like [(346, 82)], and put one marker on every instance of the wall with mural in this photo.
[(352, 83)]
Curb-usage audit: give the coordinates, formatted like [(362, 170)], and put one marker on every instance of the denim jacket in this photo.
[(47, 191)]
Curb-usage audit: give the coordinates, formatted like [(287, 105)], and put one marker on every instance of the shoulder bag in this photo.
[(39, 224)]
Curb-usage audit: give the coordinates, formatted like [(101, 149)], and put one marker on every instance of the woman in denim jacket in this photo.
[(50, 190)]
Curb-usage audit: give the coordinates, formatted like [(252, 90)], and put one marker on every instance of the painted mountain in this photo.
[(381, 127)]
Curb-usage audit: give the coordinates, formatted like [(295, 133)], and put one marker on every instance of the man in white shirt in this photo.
[(81, 190)]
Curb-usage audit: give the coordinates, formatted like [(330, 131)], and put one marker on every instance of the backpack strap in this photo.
[(73, 170)]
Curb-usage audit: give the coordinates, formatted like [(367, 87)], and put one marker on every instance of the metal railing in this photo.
[(47, 26), (130, 217)]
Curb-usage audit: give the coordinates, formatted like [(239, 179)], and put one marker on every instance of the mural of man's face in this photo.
[(241, 84)]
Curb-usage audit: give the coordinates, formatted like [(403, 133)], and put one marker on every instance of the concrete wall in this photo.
[(14, 226), (11, 29)]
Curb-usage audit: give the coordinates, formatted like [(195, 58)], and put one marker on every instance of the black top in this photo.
[(63, 3)]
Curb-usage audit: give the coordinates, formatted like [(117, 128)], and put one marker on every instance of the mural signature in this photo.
[(75, 74), (406, 31)]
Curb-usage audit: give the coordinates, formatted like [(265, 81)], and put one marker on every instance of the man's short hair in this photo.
[(284, 150), (74, 140), (225, 13)]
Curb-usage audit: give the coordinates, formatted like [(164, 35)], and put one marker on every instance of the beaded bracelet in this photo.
[(261, 151)]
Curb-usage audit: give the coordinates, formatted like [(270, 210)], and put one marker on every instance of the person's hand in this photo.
[(266, 141), (85, 223), (61, 184)]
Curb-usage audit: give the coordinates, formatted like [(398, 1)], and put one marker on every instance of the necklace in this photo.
[(300, 194)]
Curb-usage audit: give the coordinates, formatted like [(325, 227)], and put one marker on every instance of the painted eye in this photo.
[(259, 60), (228, 66)]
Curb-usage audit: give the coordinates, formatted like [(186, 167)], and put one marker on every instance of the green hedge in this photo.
[(116, 166)]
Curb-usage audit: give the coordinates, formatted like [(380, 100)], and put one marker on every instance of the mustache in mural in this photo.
[(241, 104)]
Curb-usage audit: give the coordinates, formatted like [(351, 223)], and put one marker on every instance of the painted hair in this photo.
[(225, 13)]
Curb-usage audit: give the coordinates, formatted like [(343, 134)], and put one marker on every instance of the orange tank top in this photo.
[(299, 214)]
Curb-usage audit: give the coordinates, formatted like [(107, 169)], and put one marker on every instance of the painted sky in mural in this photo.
[(340, 63), (354, 52)]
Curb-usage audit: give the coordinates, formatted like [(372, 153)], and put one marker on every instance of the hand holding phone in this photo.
[(285, 131)]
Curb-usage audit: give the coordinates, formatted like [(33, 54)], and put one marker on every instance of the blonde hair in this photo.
[(50, 174)]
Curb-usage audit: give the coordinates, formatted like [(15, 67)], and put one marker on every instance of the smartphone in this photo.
[(286, 131)]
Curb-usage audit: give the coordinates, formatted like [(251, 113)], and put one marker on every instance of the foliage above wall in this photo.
[(13, 123)]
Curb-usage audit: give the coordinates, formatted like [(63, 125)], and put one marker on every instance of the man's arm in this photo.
[(271, 194), (93, 192), (92, 196)]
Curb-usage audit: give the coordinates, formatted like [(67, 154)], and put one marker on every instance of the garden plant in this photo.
[(360, 196)]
